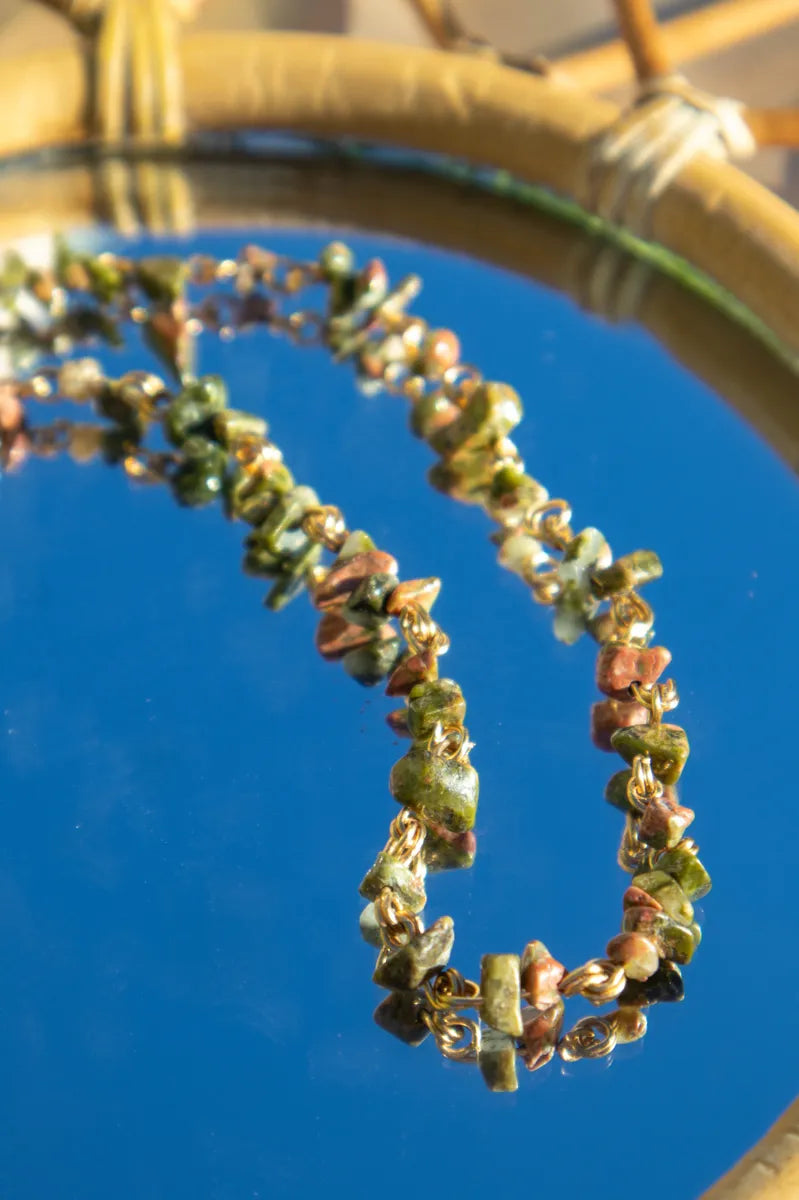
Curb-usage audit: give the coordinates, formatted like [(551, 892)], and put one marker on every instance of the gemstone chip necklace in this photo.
[(185, 435)]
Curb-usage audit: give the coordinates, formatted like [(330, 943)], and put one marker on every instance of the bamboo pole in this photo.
[(708, 31), (644, 38), (770, 1171), (774, 126)]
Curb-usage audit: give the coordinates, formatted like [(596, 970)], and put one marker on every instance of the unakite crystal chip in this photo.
[(674, 941), (442, 789), (666, 745), (664, 986), (687, 870), (500, 988), (388, 872), (407, 967), (496, 1059), (668, 894), (628, 572), (490, 413), (400, 1015), (434, 701)]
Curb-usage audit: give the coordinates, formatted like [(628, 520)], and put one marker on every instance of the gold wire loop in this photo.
[(463, 1038), (686, 845), (406, 836), (139, 469), (633, 854), (460, 381), (549, 521), (543, 578), (629, 612), (421, 632), (591, 1037), (325, 524), (449, 989), (397, 924), (400, 380), (642, 785), (598, 980), (450, 742), (257, 456), (657, 698), (457, 1037)]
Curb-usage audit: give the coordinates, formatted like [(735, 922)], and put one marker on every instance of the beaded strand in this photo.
[(380, 627)]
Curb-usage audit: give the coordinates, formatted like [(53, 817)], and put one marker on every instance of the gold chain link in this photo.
[(457, 1037), (629, 611), (549, 523), (450, 742), (643, 786), (657, 698), (397, 924), (449, 989), (634, 855), (406, 836), (420, 631), (591, 1037), (598, 981)]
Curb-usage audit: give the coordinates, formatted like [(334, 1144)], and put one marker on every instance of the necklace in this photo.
[(380, 627)]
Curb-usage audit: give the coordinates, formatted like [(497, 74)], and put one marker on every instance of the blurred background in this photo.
[(762, 71)]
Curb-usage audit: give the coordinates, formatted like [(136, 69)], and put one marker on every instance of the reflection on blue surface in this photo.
[(191, 796)]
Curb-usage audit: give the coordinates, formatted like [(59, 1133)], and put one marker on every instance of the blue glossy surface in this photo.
[(190, 797)]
